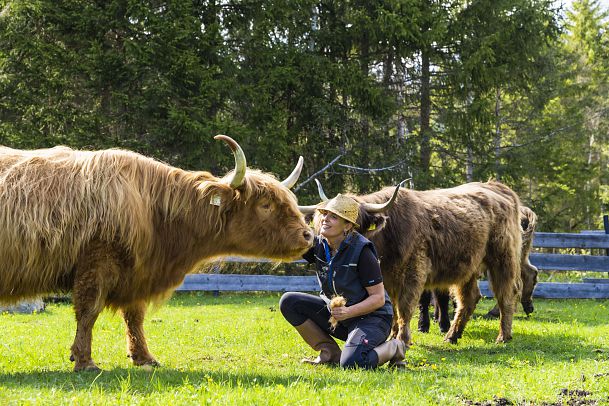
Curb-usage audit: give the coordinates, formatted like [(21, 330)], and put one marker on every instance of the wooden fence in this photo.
[(597, 288)]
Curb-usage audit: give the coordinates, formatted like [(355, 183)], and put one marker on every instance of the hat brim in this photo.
[(323, 210)]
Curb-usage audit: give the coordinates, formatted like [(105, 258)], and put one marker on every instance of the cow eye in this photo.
[(266, 206)]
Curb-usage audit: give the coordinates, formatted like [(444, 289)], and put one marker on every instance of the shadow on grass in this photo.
[(525, 347), (585, 311), (157, 381)]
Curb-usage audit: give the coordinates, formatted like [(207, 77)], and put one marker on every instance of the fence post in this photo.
[(216, 270), (606, 224)]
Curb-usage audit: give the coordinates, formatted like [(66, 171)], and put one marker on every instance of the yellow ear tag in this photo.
[(372, 227), (216, 200)]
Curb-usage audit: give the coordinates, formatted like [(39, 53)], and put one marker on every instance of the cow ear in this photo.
[(217, 194), (308, 218), (378, 221)]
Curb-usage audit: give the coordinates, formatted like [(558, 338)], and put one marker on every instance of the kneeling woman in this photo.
[(346, 265)]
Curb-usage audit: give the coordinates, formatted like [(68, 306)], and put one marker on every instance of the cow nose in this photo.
[(308, 235)]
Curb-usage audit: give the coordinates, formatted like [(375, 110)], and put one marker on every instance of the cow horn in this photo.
[(240, 163), (290, 181), (380, 207), (307, 209), (322, 195), (320, 190)]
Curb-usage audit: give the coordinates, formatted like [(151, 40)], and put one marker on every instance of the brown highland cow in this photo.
[(442, 239), (120, 230), (528, 274)]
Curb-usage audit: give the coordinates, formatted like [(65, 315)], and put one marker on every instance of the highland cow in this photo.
[(528, 274), (442, 239), (121, 230)]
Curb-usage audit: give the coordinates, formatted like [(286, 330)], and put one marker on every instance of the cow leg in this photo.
[(394, 325), (424, 302), (467, 296), (86, 315), (436, 309), (394, 296), (506, 284), (408, 297), (493, 313), (136, 340), (96, 272), (528, 273), (442, 300)]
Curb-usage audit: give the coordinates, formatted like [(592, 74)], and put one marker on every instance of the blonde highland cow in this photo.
[(120, 230)]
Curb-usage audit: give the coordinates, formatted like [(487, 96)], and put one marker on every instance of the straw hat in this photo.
[(343, 206)]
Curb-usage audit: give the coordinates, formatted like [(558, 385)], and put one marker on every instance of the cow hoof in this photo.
[(148, 365), (87, 368), (152, 364), (423, 329), (492, 314), (502, 340), (528, 308), (451, 340), (407, 342)]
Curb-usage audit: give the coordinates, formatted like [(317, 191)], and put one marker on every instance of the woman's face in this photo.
[(333, 226)]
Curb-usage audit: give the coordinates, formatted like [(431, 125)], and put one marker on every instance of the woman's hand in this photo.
[(375, 300), (341, 313)]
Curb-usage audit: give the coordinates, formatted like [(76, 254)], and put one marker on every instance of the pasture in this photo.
[(237, 349)]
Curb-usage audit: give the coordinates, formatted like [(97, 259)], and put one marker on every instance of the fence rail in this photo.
[(590, 288)]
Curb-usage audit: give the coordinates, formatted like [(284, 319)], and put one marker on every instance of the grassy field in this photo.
[(237, 349)]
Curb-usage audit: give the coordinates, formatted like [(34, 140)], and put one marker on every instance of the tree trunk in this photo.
[(469, 165), (425, 117), (401, 89), (498, 134)]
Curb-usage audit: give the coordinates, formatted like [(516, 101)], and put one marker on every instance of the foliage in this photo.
[(238, 349), (442, 92)]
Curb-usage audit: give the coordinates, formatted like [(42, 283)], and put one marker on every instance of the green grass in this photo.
[(237, 349)]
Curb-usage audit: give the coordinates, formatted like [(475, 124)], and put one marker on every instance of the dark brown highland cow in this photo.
[(120, 230), (528, 274), (528, 271), (442, 239)]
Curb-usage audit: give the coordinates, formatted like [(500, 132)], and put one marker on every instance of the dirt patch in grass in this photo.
[(566, 397), (497, 401)]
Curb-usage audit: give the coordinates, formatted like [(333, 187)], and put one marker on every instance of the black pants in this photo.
[(361, 334)]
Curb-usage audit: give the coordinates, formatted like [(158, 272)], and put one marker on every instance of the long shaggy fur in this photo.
[(121, 229), (442, 239), (528, 274), (58, 200)]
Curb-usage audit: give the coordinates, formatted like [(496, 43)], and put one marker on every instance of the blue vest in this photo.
[(340, 276)]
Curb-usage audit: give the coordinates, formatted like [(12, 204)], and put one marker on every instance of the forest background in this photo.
[(369, 92)]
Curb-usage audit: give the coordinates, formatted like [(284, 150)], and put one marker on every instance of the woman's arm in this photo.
[(375, 300)]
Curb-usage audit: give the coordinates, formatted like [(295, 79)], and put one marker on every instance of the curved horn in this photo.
[(290, 181), (307, 209), (320, 190), (240, 164), (380, 207)]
